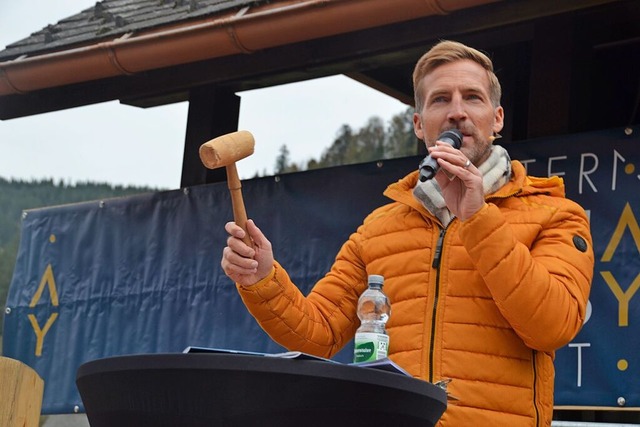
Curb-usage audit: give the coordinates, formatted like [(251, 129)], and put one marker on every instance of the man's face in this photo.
[(456, 95)]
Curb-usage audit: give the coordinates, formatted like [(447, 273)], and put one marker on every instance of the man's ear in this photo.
[(417, 126), (498, 122)]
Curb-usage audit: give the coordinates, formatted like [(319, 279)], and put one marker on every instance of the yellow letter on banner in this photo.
[(622, 296), (627, 219), (47, 279), (40, 333)]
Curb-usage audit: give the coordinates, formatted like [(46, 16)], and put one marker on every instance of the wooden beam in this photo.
[(213, 111), (549, 100)]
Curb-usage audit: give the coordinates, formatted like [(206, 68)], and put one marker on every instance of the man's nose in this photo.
[(457, 110)]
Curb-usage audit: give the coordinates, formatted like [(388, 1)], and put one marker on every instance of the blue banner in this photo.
[(142, 274)]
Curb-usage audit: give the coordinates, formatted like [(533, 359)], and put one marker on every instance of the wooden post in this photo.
[(21, 389), (213, 112)]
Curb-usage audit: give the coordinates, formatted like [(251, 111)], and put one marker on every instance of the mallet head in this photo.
[(227, 149)]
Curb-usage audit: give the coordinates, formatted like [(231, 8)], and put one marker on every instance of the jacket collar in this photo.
[(520, 184)]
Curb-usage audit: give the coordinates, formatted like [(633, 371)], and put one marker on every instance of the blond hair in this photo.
[(446, 52)]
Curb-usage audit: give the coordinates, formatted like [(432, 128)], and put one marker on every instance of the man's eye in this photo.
[(438, 99)]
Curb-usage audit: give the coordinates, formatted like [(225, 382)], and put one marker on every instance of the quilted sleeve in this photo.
[(324, 321), (541, 290)]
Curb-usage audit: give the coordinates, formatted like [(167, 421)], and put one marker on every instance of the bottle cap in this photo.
[(376, 278)]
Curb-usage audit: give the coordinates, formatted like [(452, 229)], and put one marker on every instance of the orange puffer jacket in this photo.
[(483, 302)]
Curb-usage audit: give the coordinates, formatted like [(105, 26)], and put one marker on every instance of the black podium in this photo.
[(243, 391)]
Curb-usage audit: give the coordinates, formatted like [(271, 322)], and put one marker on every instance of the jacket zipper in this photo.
[(437, 258), (535, 381), (435, 264)]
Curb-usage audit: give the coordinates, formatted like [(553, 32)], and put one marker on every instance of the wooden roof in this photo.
[(554, 58), (109, 19), (565, 66), (373, 41)]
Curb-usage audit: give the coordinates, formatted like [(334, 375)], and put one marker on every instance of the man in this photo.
[(488, 270)]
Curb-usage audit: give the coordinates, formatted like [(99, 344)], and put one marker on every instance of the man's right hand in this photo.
[(243, 264)]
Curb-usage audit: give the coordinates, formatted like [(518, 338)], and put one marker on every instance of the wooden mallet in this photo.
[(225, 151)]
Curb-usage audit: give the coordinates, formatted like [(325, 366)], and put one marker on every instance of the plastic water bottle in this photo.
[(371, 340)]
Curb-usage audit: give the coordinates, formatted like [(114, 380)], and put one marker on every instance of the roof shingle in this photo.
[(110, 19)]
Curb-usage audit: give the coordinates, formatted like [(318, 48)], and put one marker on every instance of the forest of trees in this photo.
[(375, 141)]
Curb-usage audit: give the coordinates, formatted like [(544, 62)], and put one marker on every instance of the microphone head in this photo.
[(453, 137)]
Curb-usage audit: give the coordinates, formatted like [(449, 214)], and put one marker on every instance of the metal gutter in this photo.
[(250, 30)]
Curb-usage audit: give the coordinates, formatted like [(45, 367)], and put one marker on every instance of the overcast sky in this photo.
[(124, 145)]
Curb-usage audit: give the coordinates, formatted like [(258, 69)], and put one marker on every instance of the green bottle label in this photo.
[(370, 346)]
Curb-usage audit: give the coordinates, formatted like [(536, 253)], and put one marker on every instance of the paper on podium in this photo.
[(385, 364), (285, 355)]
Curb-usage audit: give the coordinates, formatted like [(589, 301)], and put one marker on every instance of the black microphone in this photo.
[(429, 166)]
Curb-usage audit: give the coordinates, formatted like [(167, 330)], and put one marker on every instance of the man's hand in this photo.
[(459, 179), (243, 264)]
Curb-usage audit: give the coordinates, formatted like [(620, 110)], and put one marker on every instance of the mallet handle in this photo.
[(239, 212)]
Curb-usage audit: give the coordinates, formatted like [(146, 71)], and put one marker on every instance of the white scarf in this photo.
[(496, 172)]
